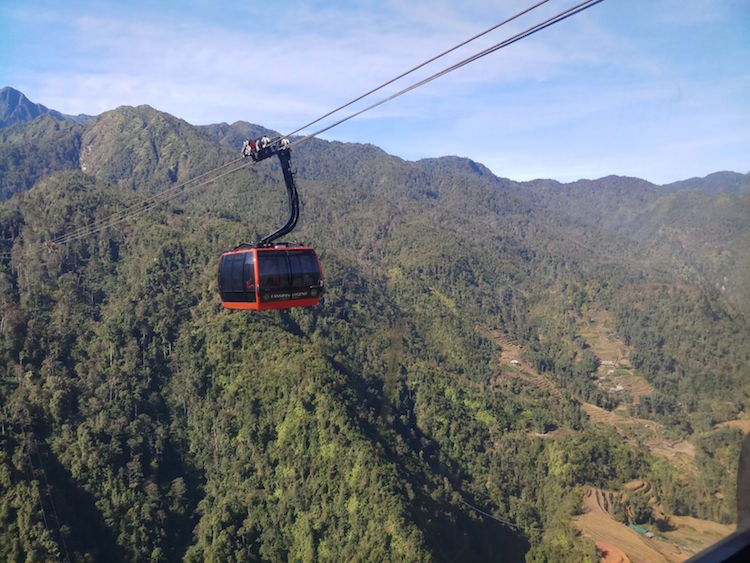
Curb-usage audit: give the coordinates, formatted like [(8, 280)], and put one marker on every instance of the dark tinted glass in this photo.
[(304, 268), (237, 278), (273, 269), (249, 276)]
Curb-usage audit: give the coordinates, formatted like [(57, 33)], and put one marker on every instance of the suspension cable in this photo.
[(156, 200), (505, 43), (414, 69), (164, 195), (43, 487), (182, 189), (501, 520), (144, 205), (48, 490)]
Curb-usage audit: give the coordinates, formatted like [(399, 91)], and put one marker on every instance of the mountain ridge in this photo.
[(149, 150), (15, 107), (372, 423)]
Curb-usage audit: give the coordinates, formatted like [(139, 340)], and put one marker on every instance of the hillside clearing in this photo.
[(615, 371), (741, 423), (684, 537)]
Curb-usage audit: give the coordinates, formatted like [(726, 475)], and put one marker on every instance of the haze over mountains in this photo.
[(376, 424), (15, 107)]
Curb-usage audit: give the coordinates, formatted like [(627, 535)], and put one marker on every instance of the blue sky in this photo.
[(658, 89)]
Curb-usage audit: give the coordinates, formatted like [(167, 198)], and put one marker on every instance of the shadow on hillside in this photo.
[(80, 521), (452, 532)]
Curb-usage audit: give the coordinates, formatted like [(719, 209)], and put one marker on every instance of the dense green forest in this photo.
[(141, 421)]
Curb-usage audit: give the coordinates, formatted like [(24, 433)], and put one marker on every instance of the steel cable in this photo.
[(414, 69), (494, 48), (182, 189), (165, 195), (156, 200)]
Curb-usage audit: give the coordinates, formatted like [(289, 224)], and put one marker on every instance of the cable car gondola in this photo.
[(267, 275), (270, 278)]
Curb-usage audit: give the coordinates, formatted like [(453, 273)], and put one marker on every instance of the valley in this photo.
[(671, 538), (533, 350)]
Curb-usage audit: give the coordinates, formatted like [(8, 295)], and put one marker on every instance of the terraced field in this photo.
[(683, 537), (742, 422), (615, 371), (678, 538), (681, 454), (597, 523)]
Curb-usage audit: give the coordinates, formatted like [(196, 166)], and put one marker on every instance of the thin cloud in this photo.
[(602, 83)]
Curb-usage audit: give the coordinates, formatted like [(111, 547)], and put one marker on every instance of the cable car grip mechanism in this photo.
[(261, 149)]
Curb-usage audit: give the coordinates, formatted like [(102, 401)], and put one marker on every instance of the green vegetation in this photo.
[(31, 151), (139, 420)]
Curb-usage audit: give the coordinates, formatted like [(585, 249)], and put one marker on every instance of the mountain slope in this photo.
[(16, 108), (144, 148), (718, 182), (30, 151), (381, 421), (702, 234)]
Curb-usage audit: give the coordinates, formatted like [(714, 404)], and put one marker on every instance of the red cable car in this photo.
[(267, 275), (280, 277)]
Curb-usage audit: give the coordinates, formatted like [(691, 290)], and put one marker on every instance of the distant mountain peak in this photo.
[(717, 182), (15, 107)]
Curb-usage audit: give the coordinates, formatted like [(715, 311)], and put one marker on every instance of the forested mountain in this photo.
[(16, 108), (702, 236), (139, 420), (717, 182)]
